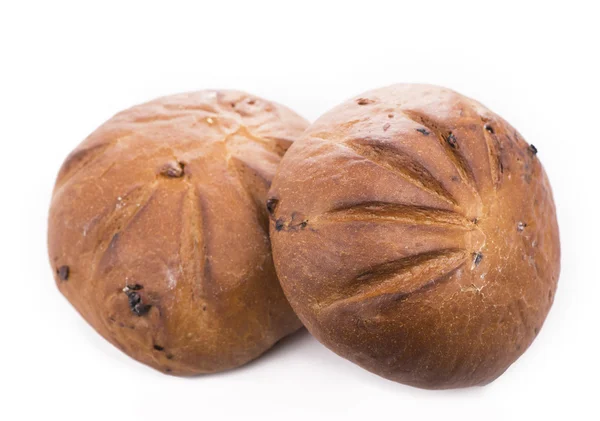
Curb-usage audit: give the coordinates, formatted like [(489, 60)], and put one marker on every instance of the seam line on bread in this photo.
[(395, 212), (85, 158), (194, 240), (241, 169), (398, 279), (159, 118), (115, 222), (450, 146), (399, 164), (494, 161)]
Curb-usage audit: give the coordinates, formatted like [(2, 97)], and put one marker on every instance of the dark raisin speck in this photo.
[(114, 240), (63, 273), (279, 224), (477, 257), (364, 101), (173, 170), (159, 348), (489, 128), (423, 131), (533, 149), (141, 309), (451, 139), (272, 205), (135, 301)]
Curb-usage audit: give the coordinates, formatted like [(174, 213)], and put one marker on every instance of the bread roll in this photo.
[(414, 233), (158, 234)]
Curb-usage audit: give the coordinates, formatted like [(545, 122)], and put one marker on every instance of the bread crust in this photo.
[(158, 233), (415, 234)]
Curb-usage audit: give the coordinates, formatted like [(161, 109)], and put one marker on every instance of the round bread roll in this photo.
[(158, 232), (414, 233)]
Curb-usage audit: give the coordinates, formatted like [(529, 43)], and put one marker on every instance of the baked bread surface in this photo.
[(414, 233), (158, 233)]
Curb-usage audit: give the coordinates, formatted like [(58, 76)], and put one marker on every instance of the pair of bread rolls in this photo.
[(413, 232)]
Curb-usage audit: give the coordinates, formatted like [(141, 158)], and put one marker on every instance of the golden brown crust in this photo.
[(414, 233), (159, 236)]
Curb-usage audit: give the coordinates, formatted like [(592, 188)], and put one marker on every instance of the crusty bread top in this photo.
[(158, 232), (414, 232)]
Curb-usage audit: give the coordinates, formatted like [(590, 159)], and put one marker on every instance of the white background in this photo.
[(67, 67)]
